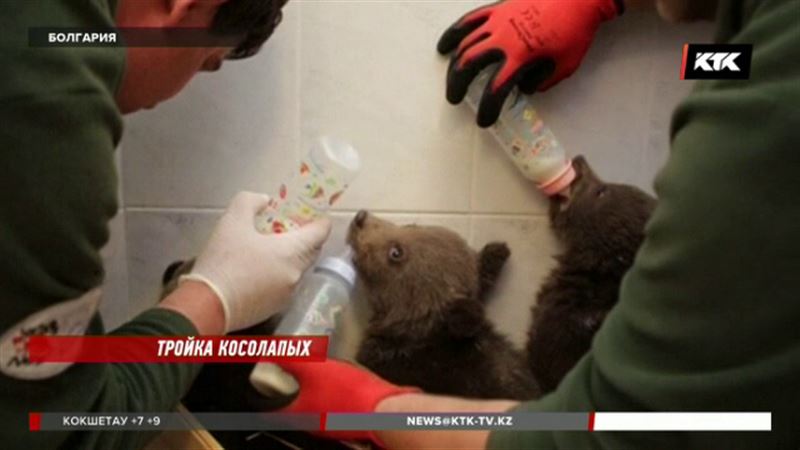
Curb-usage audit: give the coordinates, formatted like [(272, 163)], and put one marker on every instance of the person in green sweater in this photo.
[(60, 121), (707, 317)]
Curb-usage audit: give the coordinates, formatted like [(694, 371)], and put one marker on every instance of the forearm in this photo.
[(198, 303), (440, 404), (129, 388)]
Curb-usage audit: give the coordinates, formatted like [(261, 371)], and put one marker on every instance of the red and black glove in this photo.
[(336, 386), (537, 43)]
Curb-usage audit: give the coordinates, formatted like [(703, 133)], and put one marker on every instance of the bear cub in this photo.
[(600, 226), (426, 290)]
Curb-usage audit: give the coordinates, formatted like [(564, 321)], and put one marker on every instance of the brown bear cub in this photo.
[(600, 226), (426, 290)]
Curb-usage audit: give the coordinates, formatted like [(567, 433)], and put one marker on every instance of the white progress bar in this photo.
[(682, 421)]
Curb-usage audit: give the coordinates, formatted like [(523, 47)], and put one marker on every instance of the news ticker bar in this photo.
[(128, 37), (524, 421)]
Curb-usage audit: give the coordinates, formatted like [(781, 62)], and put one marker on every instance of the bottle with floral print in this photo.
[(317, 183)]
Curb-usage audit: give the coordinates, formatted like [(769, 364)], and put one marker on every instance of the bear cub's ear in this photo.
[(491, 260), (169, 280), (170, 273)]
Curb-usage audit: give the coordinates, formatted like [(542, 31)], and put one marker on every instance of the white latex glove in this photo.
[(253, 274)]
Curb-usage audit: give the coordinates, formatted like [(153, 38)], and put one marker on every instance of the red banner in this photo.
[(175, 349)]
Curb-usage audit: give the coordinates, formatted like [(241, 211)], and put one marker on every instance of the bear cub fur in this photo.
[(600, 226), (426, 290)]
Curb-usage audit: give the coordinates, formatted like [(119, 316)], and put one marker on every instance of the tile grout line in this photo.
[(468, 214), (175, 209), (298, 64), (473, 184), (644, 155), (123, 212)]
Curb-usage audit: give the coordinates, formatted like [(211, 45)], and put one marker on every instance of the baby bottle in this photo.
[(320, 179), (526, 139), (316, 305)]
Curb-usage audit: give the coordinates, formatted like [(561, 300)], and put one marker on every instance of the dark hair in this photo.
[(254, 20)]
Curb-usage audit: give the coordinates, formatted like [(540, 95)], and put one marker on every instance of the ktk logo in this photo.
[(721, 61), (716, 61)]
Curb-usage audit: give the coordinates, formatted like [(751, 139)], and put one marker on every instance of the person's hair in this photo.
[(254, 20)]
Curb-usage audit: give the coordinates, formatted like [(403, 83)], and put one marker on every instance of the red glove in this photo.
[(537, 43), (335, 386)]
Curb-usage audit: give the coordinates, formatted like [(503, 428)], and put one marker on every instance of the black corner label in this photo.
[(716, 61)]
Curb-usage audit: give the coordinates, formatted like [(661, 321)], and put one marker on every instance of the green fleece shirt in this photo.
[(708, 317), (59, 126)]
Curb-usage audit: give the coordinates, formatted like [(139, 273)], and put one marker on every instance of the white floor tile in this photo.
[(532, 248), (114, 307), (370, 74), (228, 131), (156, 239)]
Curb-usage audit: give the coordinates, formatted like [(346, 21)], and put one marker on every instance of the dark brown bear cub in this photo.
[(428, 328), (600, 226)]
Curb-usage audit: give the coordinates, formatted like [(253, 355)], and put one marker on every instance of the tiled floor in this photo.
[(368, 72)]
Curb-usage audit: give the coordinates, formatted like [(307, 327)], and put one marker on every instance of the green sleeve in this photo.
[(152, 387), (707, 318), (140, 387), (57, 193), (58, 190)]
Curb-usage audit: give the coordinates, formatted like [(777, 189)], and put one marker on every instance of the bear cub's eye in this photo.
[(601, 191), (396, 253)]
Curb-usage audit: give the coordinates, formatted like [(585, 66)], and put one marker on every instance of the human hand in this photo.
[(336, 386), (253, 274), (537, 43)]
